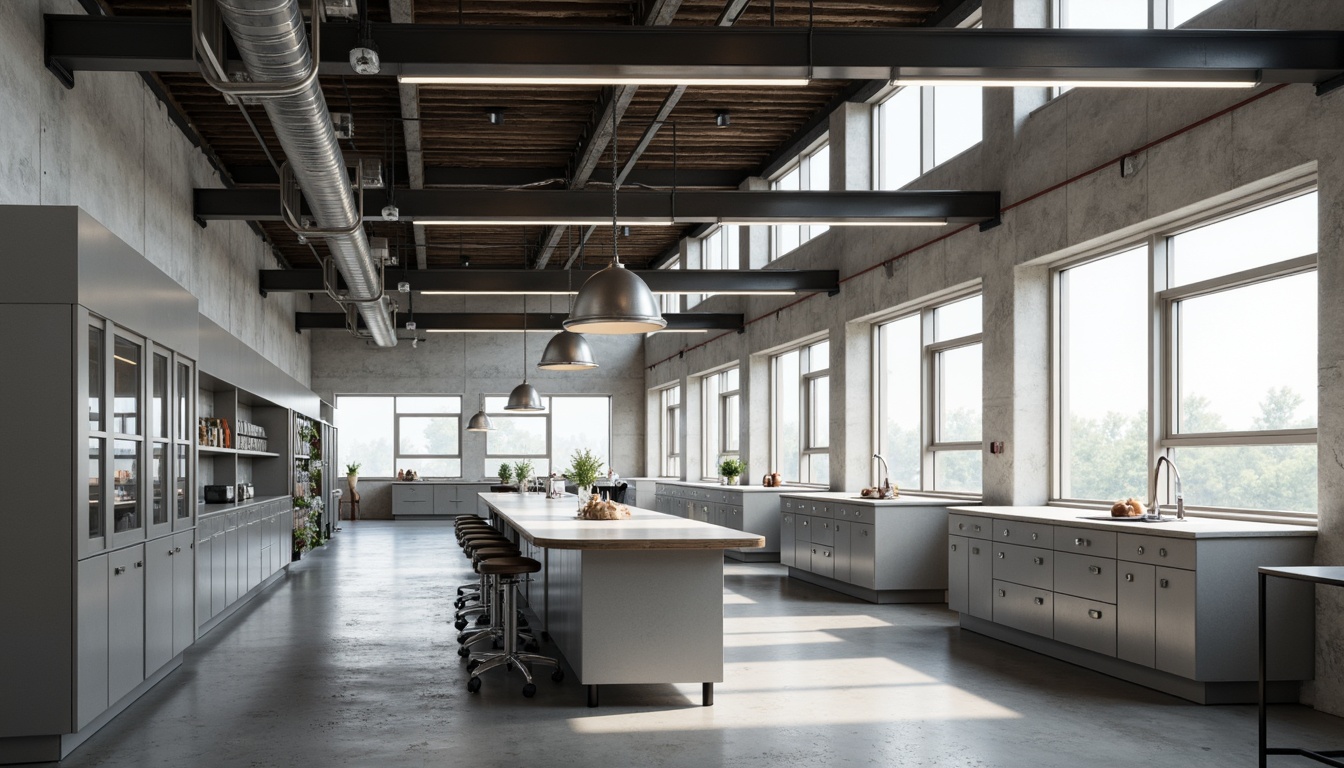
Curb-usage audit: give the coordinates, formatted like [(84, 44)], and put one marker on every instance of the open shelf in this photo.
[(210, 449)]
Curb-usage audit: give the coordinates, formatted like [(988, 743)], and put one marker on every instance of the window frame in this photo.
[(927, 133), (397, 455), (931, 386), (714, 421), (669, 435), (556, 463), (803, 164), (807, 447), (1164, 350)]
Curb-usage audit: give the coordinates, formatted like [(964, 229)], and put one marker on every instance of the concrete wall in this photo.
[(493, 364), (1029, 148), (109, 147)]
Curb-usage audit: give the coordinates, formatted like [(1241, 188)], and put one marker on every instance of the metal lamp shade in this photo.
[(524, 397), (480, 423), (615, 301), (567, 351)]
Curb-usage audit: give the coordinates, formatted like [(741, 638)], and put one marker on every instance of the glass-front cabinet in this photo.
[(139, 462)]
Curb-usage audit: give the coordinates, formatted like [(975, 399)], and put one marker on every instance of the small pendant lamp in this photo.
[(524, 397), (615, 300), (567, 351), (480, 422)]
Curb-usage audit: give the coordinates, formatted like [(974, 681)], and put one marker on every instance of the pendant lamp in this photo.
[(615, 300), (524, 397), (480, 422), (567, 351)]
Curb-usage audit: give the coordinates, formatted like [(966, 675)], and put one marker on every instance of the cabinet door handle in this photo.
[(1129, 577), (865, 533), (1162, 552), (1163, 583), (139, 563), (1038, 560), (961, 526), (1094, 570), (1040, 600), (1002, 593), (1035, 536), (1001, 555), (975, 550), (977, 529), (1140, 550), (814, 551), (1005, 533), (1081, 543), (1093, 613), (827, 554), (805, 522), (120, 569), (954, 547), (170, 553)]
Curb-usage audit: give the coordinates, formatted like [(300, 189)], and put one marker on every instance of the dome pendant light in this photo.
[(480, 422), (567, 351), (524, 397), (615, 300)]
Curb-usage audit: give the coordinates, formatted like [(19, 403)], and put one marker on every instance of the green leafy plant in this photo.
[(352, 468), (505, 472), (307, 533), (522, 470), (584, 467), (731, 467), (303, 502)]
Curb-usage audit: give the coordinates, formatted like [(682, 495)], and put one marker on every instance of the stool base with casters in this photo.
[(507, 570)]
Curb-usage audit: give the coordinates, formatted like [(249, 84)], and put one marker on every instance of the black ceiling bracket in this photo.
[(62, 74), (1332, 84), (989, 224)]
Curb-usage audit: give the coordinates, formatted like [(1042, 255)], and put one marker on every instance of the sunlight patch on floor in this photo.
[(750, 624), (732, 598), (752, 639)]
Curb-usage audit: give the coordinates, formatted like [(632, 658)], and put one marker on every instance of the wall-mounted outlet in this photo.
[(996, 447)]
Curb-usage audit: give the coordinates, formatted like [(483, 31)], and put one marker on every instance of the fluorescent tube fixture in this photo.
[(821, 220), (597, 80), (507, 222), (1159, 80)]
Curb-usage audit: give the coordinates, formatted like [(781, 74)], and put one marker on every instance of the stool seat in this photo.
[(473, 547), (509, 566), (492, 553)]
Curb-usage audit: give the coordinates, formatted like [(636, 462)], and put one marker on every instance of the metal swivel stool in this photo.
[(510, 571), (482, 597), (490, 624), (470, 542)]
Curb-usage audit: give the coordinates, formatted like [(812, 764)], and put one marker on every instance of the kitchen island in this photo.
[(626, 601)]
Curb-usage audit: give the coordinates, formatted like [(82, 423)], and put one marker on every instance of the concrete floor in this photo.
[(350, 661)]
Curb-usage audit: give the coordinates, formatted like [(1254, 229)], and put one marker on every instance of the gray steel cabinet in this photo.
[(1175, 611), (1026, 608), (125, 621), (205, 566), (753, 510), (980, 576), (862, 555), (1085, 623), (958, 576), (91, 645), (844, 555), (233, 552), (786, 539), (1136, 614), (184, 591), (158, 602), (412, 499), (219, 565)]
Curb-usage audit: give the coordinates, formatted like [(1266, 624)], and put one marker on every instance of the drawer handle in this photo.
[(1140, 550), (954, 547), (977, 529), (139, 563), (1162, 552), (1001, 555), (120, 569), (1163, 583), (865, 533), (1039, 600), (961, 526), (1038, 560), (1094, 570), (827, 554), (975, 550), (1094, 613), (1002, 593), (1081, 543), (805, 522), (170, 553), (1035, 536), (1005, 533), (814, 551), (1129, 577)]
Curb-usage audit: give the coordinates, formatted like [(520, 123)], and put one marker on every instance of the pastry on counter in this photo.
[(1130, 507)]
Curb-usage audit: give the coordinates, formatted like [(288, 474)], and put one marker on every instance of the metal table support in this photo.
[(1327, 575)]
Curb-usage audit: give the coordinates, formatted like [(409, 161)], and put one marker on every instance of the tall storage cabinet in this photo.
[(99, 442)]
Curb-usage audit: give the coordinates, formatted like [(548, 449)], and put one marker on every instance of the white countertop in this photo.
[(722, 487), (850, 497), (1190, 528), (447, 481), (552, 523), (211, 509)]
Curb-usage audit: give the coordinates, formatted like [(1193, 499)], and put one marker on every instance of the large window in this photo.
[(670, 303), (929, 397), (548, 438), (386, 434), (669, 431), (718, 250), (721, 403), (917, 128), (810, 172), (1127, 14), (1234, 361), (801, 407)]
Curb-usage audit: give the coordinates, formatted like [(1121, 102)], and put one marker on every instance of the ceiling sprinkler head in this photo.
[(405, 287), (495, 116), (723, 119), (364, 60), (391, 213)]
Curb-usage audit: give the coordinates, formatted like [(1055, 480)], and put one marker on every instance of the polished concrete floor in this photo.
[(350, 661)]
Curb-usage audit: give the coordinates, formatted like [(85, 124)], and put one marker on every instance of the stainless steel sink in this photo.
[(1109, 519)]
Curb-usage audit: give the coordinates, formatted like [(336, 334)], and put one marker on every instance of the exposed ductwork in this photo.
[(270, 39)]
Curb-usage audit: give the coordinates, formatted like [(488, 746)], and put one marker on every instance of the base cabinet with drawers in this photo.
[(753, 509), (1171, 606), (238, 548), (431, 499), (882, 551)]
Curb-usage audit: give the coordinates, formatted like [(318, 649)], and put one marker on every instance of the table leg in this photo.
[(1263, 714), (707, 694), (592, 696)]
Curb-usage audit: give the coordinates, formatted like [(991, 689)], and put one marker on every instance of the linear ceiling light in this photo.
[(598, 80), (504, 221), (836, 222), (1099, 79)]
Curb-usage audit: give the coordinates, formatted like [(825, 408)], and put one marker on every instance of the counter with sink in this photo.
[(879, 550), (1169, 605)]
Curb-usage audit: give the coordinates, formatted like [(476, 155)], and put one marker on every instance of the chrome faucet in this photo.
[(1155, 509), (885, 485)]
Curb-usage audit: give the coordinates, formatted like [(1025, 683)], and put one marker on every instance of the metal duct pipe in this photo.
[(271, 41)]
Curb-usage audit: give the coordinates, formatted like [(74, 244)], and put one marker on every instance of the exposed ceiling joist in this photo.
[(75, 43), (639, 207), (440, 176), (506, 322), (490, 281)]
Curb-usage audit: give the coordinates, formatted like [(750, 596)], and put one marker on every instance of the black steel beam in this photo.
[(647, 207), (75, 43), (513, 321), (441, 176), (557, 281)]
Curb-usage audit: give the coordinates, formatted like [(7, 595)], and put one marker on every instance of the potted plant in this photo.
[(505, 473), (731, 468), (352, 476), (521, 471), (584, 468)]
